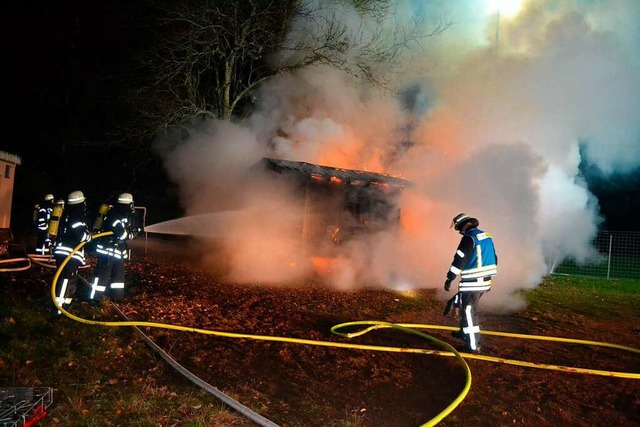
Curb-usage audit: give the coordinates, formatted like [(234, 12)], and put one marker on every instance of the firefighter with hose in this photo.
[(112, 252), (73, 230), (476, 262)]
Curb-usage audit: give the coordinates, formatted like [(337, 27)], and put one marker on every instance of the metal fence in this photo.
[(619, 257)]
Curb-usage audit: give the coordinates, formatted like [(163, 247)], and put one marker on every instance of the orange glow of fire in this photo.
[(410, 221), (336, 180), (380, 184), (317, 177), (409, 293), (323, 265), (347, 153)]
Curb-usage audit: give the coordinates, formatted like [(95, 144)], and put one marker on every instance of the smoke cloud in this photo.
[(500, 111)]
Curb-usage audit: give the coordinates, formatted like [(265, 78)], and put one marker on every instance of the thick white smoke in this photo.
[(508, 104)]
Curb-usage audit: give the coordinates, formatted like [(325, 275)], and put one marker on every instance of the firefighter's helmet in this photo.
[(48, 197), (460, 220), (125, 198), (125, 201), (75, 198)]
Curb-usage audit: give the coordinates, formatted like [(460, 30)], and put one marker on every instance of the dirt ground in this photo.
[(302, 385), (298, 385)]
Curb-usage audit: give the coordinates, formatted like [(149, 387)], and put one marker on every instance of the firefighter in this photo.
[(72, 231), (111, 251), (476, 262), (42, 217)]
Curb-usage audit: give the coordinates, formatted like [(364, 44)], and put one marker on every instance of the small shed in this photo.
[(8, 163), (340, 204)]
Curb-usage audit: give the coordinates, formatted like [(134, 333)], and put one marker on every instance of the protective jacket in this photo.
[(118, 222), (43, 216), (73, 231), (475, 261), (112, 252)]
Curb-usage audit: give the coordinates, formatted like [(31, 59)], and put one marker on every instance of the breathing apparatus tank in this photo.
[(102, 213), (54, 222)]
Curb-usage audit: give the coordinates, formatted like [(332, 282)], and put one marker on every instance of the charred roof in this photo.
[(329, 173)]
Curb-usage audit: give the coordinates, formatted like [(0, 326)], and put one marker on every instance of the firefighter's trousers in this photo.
[(66, 284), (469, 319), (109, 280)]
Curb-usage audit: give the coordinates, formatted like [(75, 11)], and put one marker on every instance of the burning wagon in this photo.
[(290, 219), (340, 204)]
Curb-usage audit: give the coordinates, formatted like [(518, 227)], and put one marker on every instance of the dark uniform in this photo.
[(73, 231), (112, 251), (476, 262), (43, 215)]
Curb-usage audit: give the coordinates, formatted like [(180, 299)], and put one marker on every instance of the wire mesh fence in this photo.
[(618, 257)]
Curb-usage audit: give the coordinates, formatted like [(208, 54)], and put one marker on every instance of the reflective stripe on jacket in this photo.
[(482, 264)]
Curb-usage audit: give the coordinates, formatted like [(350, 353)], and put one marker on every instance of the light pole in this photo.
[(497, 25)]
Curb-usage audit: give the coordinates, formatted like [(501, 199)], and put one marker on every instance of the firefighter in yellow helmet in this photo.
[(42, 217), (73, 230), (112, 250)]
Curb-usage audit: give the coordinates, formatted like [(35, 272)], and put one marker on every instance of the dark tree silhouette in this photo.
[(210, 56)]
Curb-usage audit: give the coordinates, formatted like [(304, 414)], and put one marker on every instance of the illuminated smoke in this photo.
[(498, 136)]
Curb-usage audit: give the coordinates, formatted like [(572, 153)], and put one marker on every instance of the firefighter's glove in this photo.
[(447, 285)]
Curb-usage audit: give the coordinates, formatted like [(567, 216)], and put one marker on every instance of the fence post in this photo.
[(609, 261)]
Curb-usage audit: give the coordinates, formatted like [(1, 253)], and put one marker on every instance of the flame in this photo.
[(323, 266), (380, 184)]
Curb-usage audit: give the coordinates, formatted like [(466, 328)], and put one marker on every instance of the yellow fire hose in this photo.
[(373, 325)]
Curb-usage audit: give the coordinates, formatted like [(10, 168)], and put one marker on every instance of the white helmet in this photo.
[(125, 198), (75, 197), (48, 196)]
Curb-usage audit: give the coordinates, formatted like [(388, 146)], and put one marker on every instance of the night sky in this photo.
[(68, 65)]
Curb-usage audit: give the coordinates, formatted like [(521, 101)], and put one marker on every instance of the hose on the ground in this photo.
[(48, 261), (452, 352), (15, 268), (374, 325)]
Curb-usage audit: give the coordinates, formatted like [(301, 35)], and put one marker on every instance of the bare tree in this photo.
[(360, 37), (207, 57), (211, 55)]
